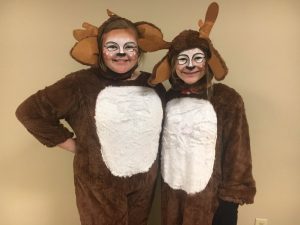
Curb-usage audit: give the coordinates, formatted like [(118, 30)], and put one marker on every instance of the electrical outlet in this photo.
[(261, 221)]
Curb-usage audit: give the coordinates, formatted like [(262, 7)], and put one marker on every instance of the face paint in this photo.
[(120, 50), (190, 65)]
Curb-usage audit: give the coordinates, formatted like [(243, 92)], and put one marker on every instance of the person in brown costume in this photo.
[(116, 117), (206, 159)]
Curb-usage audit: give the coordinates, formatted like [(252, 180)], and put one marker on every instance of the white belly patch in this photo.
[(128, 121), (188, 144)]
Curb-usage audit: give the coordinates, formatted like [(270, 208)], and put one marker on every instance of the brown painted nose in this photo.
[(190, 67), (121, 54)]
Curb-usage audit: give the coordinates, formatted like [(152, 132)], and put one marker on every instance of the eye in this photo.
[(130, 47), (182, 60), (111, 47), (198, 58)]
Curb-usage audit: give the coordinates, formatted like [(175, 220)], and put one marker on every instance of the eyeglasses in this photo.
[(185, 59), (128, 47)]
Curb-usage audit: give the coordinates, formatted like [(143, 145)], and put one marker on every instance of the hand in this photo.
[(69, 145)]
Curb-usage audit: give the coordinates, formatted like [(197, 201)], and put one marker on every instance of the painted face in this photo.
[(120, 50), (190, 65)]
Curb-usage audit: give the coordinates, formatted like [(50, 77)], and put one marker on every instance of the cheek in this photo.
[(201, 68), (107, 55), (179, 68), (133, 55)]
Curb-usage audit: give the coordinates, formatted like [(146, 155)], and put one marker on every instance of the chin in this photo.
[(190, 81), (121, 70)]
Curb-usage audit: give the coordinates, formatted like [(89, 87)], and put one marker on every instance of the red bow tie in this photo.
[(189, 91)]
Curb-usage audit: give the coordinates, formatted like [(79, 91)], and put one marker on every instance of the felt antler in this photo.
[(89, 31), (210, 19), (110, 13), (85, 50), (216, 63), (151, 38), (162, 69)]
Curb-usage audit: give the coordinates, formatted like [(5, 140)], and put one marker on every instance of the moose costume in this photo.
[(206, 159), (117, 122)]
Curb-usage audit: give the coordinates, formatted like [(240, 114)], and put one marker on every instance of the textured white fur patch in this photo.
[(128, 121), (188, 144)]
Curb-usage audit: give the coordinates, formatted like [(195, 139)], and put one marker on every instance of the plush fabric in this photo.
[(102, 197), (86, 50), (128, 121), (189, 39), (202, 165), (189, 140), (231, 179)]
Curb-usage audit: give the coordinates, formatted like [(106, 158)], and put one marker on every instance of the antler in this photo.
[(85, 50), (210, 19), (110, 13), (216, 63), (89, 31), (151, 38)]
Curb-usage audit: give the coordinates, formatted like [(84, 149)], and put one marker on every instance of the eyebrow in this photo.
[(185, 55), (130, 42), (126, 43), (111, 42), (199, 53), (182, 55)]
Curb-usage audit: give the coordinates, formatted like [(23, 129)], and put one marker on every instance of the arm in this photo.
[(238, 185), (41, 112)]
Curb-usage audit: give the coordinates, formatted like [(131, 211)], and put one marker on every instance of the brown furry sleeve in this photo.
[(41, 112), (238, 184)]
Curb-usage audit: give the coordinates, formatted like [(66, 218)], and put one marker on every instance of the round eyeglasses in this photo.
[(185, 59), (127, 47)]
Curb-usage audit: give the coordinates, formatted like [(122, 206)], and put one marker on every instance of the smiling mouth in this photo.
[(120, 60), (191, 72)]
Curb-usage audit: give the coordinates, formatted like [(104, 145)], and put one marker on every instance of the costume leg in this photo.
[(98, 206), (180, 208), (139, 205), (199, 209), (140, 198), (172, 202)]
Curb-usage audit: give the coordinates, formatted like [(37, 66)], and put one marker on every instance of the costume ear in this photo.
[(161, 72), (86, 50), (89, 31), (151, 37), (216, 63)]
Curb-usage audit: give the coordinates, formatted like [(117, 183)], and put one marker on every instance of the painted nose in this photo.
[(121, 54), (190, 67)]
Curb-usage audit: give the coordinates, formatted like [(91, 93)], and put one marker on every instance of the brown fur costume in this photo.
[(115, 170), (206, 156)]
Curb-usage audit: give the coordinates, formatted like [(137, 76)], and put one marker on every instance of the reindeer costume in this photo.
[(206, 159), (117, 125)]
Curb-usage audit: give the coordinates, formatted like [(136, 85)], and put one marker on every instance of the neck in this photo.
[(196, 89)]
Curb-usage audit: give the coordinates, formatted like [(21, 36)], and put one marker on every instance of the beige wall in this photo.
[(259, 41)]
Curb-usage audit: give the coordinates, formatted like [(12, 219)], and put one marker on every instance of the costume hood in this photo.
[(189, 39), (86, 50)]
